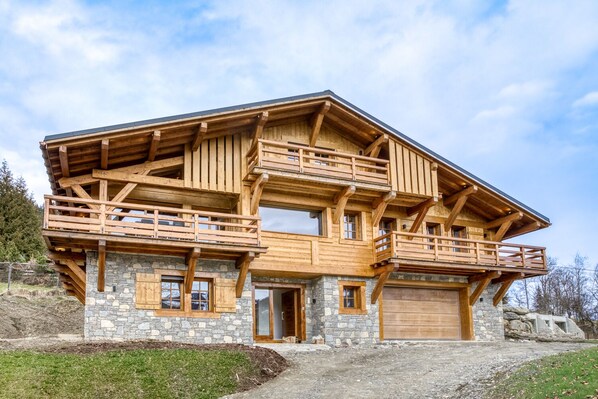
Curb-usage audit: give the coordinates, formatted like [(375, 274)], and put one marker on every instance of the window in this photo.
[(386, 226), (351, 297), (172, 286), (201, 295), (292, 221), (432, 229), (173, 294), (351, 229), (459, 232)]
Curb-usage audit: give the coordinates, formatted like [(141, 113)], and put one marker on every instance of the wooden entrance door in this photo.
[(421, 313), (289, 313)]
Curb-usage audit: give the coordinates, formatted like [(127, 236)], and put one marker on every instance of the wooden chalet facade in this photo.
[(296, 217)]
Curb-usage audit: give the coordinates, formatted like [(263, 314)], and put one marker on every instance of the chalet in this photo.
[(297, 217)]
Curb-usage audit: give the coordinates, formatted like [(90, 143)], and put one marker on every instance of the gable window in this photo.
[(201, 298), (172, 287), (294, 221), (351, 297), (351, 229)]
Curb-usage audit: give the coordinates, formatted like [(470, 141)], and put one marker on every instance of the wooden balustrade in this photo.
[(315, 161), (146, 221), (422, 247)]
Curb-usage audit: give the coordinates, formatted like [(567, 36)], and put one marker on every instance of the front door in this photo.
[(277, 312)]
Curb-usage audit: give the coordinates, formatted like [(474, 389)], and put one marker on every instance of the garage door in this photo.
[(420, 313)]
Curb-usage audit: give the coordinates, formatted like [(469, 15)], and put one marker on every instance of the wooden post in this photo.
[(102, 218), (300, 160), (353, 169), (155, 223), (101, 265), (46, 212)]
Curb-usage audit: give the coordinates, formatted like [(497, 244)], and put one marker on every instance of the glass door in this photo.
[(262, 299)]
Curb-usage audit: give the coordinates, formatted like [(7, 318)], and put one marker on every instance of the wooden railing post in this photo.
[(196, 226), (46, 212), (156, 223), (102, 218), (300, 160), (393, 244), (259, 231), (436, 254), (388, 173), (353, 168), (497, 254), (522, 249), (260, 155), (477, 252)]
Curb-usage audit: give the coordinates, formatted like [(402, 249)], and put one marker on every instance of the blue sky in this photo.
[(507, 90)]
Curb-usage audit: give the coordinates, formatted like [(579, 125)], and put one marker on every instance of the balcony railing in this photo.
[(151, 222), (315, 161), (422, 247)]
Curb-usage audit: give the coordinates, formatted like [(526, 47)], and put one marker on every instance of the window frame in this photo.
[(186, 301), (322, 219), (357, 230), (359, 299)]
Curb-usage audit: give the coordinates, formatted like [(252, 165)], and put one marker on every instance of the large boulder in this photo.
[(520, 326), (517, 310), (510, 316)]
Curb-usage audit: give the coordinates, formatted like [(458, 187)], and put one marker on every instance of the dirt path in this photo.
[(430, 370)]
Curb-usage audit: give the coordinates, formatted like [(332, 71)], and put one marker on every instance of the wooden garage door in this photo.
[(420, 313)]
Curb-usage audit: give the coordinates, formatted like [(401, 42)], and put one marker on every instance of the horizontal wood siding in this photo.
[(216, 164), (410, 172)]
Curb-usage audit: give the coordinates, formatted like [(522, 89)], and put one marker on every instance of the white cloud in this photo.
[(589, 100)]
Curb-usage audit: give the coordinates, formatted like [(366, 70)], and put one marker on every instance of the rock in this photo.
[(515, 309), (520, 326), (510, 316)]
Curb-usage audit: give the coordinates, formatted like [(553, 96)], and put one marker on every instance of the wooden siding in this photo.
[(215, 165), (295, 254), (410, 172)]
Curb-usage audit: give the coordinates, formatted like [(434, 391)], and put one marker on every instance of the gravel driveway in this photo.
[(408, 370)]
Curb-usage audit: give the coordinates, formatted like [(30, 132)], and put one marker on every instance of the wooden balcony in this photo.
[(80, 223), (440, 254), (318, 165)]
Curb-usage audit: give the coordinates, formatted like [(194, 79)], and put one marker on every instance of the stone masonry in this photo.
[(343, 329), (112, 314)]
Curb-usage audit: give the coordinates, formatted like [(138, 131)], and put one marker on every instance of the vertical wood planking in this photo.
[(212, 160), (196, 169), (393, 170), (237, 176), (228, 180), (406, 170), (220, 172), (421, 187), (413, 166), (427, 177), (205, 159), (187, 166), (400, 168)]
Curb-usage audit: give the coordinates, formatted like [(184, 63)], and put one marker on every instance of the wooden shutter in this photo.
[(147, 291), (362, 298), (225, 299)]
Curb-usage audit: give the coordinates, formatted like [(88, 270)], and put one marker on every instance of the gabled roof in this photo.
[(261, 105)]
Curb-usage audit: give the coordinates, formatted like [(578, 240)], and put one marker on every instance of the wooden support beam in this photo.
[(103, 194), (502, 291), (499, 222), (125, 191), (101, 265), (62, 256), (340, 200), (508, 277), (463, 193), (200, 134), (191, 260), (379, 206), (155, 165), (64, 161), (459, 199), (68, 275), (481, 276), (155, 143), (81, 193), (256, 192), (316, 122), (127, 177), (260, 122), (500, 233), (374, 149), (482, 284), (421, 209), (243, 265), (382, 279), (522, 230), (77, 271), (104, 154)]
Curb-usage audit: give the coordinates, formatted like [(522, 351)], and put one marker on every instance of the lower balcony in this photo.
[(421, 253), (74, 223)]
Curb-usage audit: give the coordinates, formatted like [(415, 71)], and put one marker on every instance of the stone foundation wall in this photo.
[(343, 329), (112, 314)]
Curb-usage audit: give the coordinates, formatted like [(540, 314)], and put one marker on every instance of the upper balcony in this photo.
[(71, 222), (309, 164), (441, 254)]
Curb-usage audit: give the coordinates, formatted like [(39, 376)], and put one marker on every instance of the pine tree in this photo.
[(20, 221)]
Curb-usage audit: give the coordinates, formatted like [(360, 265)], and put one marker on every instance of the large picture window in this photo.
[(292, 221)]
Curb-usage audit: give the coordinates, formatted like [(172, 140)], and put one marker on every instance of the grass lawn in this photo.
[(567, 375), (15, 286), (144, 373)]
